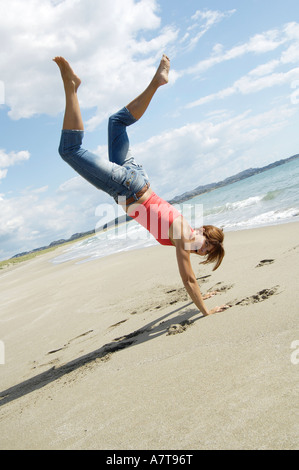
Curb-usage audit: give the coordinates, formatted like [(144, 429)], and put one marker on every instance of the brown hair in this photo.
[(215, 237)]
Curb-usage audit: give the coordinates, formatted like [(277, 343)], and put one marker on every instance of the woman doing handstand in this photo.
[(126, 181)]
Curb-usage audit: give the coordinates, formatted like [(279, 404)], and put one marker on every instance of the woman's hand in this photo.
[(209, 295), (218, 309)]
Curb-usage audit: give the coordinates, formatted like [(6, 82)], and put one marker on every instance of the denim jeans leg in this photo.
[(116, 180), (94, 169), (118, 141)]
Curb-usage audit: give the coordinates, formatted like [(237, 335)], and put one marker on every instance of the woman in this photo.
[(128, 183)]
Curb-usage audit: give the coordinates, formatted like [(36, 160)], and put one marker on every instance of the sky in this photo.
[(232, 101)]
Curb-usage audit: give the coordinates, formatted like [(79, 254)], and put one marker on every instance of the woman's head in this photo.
[(212, 245)]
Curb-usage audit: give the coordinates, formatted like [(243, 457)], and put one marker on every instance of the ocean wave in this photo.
[(266, 218), (234, 206), (272, 195), (244, 203)]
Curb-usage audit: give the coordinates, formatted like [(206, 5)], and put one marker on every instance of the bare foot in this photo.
[(70, 79), (161, 77)]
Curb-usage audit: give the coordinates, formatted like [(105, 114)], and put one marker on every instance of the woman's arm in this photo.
[(190, 282)]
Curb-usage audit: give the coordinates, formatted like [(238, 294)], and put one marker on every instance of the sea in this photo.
[(267, 198)]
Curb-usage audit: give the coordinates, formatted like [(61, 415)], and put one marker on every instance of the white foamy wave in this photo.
[(267, 218), (251, 201), (130, 236), (234, 206)]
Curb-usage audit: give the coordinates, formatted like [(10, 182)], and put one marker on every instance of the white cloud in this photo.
[(107, 44), (209, 150), (264, 75), (265, 69), (104, 41), (35, 218), (250, 84), (262, 43), (10, 159), (3, 174), (207, 19)]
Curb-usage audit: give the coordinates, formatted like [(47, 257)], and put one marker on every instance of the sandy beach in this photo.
[(112, 354)]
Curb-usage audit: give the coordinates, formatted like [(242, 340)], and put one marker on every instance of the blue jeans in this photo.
[(121, 176)]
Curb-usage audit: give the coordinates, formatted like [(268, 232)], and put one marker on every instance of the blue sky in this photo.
[(232, 101)]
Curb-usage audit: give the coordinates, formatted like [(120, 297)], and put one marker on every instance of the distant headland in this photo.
[(231, 179)]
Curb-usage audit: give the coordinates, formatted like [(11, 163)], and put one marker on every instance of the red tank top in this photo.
[(156, 215)]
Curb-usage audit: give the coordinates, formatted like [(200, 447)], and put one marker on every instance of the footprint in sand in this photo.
[(219, 288), (264, 262), (178, 327), (259, 297)]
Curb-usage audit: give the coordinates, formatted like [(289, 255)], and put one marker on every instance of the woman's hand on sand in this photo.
[(218, 309), (209, 295)]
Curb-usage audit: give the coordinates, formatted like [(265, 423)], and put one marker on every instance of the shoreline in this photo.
[(111, 354), (15, 261)]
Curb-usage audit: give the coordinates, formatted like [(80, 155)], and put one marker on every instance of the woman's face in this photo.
[(200, 244)]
